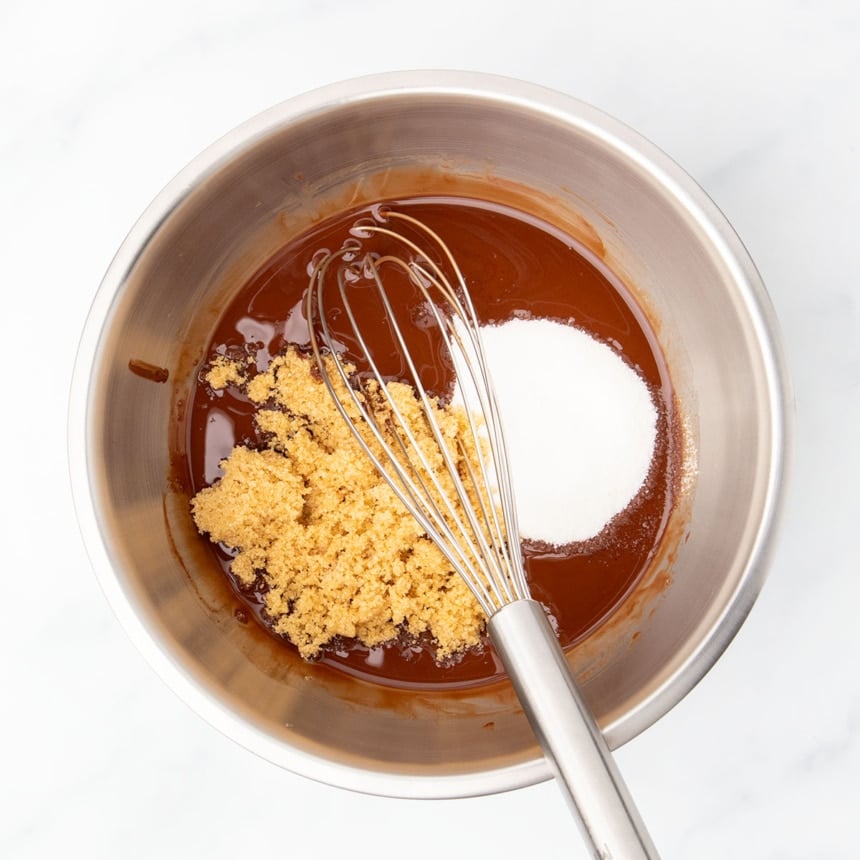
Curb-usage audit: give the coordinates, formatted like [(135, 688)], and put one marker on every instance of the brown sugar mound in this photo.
[(339, 553)]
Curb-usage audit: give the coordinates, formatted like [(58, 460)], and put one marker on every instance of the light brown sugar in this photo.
[(339, 555)]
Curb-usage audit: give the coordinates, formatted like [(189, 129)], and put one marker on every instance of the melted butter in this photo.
[(516, 266)]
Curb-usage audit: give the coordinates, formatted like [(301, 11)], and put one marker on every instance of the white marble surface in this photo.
[(102, 102)]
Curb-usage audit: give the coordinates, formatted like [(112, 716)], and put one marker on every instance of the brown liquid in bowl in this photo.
[(514, 266)]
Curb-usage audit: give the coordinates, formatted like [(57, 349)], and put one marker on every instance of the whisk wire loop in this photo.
[(478, 541), (480, 377), (477, 527), (401, 478), (503, 533), (419, 478), (472, 355)]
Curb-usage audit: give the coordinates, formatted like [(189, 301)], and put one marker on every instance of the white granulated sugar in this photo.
[(579, 423)]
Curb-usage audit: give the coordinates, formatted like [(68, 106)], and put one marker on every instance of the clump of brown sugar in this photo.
[(224, 371), (338, 552)]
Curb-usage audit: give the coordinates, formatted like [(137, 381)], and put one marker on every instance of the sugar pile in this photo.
[(580, 426)]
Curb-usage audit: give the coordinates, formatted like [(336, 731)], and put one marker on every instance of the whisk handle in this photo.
[(568, 734)]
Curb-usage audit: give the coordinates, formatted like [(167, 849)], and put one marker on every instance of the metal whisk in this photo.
[(471, 516)]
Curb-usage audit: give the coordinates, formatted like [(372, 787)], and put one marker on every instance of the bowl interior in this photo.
[(265, 183)]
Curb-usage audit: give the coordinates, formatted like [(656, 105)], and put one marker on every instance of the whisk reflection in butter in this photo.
[(468, 507)]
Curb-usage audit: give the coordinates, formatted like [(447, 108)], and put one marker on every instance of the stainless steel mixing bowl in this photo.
[(426, 133)]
